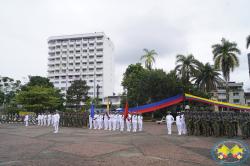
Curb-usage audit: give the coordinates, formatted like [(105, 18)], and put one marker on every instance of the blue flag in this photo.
[(92, 111)]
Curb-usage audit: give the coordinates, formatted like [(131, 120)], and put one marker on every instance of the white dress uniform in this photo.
[(106, 123), (117, 121), (134, 122), (52, 119), (178, 124), (110, 120), (128, 123), (140, 122), (45, 119), (39, 119), (183, 125), (56, 122), (49, 120), (90, 122), (42, 117), (121, 118), (114, 122), (95, 121), (100, 120), (26, 120), (169, 121)]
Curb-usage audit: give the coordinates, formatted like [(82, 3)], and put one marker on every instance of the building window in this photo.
[(236, 100), (236, 94)]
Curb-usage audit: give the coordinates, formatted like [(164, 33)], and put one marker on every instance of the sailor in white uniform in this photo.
[(134, 122), (140, 122), (169, 121), (26, 120), (56, 122), (178, 123)]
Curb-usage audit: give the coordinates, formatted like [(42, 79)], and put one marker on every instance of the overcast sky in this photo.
[(170, 27)]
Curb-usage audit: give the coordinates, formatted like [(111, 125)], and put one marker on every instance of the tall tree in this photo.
[(39, 81), (132, 83), (186, 67), (225, 59), (77, 93), (148, 58), (38, 99), (248, 41), (207, 78)]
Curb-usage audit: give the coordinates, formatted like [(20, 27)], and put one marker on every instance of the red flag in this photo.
[(126, 111)]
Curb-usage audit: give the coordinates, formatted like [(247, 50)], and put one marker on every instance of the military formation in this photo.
[(48, 119), (116, 122), (73, 119), (218, 124), (15, 118)]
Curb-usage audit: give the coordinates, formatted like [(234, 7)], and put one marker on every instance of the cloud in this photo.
[(151, 32), (169, 27)]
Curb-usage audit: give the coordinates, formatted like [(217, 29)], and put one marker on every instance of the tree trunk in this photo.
[(227, 93)]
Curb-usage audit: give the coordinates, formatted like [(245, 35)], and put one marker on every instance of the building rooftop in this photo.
[(75, 36)]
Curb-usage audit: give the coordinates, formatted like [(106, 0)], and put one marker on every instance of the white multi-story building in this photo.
[(8, 84), (87, 57), (236, 93)]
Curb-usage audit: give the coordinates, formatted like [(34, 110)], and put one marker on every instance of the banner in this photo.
[(214, 102)]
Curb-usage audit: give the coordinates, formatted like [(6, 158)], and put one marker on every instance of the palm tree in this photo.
[(148, 57), (225, 58), (248, 41), (186, 67), (207, 78)]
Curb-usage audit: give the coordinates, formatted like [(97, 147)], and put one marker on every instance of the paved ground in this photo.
[(35, 145)]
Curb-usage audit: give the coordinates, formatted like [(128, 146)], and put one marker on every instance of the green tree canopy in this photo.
[(39, 99), (207, 78), (133, 84), (146, 86), (77, 93), (39, 81)]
